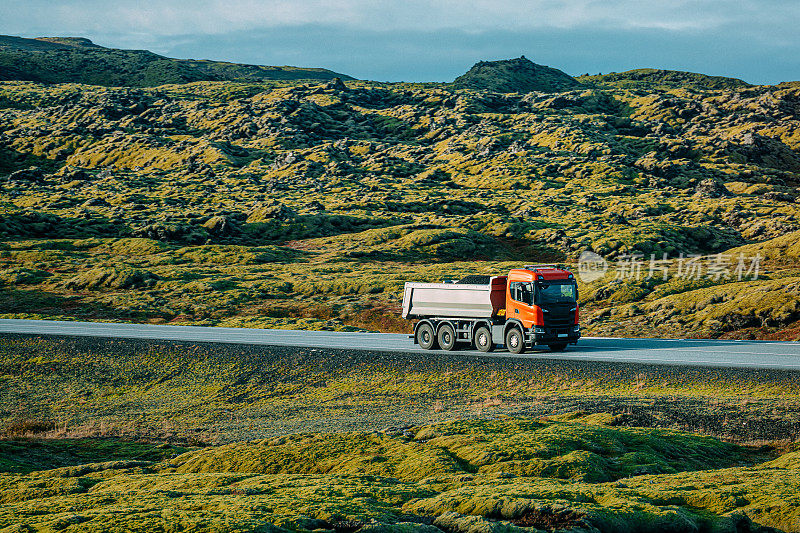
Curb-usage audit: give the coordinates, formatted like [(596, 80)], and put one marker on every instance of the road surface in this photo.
[(733, 354)]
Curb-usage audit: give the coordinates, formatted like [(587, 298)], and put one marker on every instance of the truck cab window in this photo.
[(521, 292), (553, 293)]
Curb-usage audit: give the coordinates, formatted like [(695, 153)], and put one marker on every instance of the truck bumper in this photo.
[(555, 336)]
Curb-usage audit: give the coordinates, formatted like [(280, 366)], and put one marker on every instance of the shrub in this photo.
[(112, 278)]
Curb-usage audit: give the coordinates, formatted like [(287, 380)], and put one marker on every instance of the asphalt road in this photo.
[(741, 354)]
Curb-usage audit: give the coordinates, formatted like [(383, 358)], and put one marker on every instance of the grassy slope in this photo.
[(30, 455), (313, 288)]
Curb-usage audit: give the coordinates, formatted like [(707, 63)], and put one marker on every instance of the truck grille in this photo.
[(559, 316)]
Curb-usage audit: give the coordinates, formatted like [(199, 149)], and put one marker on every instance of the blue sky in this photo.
[(414, 40)]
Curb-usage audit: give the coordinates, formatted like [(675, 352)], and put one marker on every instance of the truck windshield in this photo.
[(554, 293)]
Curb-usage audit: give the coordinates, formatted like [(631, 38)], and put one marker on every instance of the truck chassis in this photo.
[(485, 335)]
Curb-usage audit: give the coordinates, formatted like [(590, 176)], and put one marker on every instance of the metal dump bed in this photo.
[(454, 300)]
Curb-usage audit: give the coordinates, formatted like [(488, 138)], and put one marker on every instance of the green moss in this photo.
[(343, 454), (28, 455), (574, 450), (136, 247), (112, 278), (377, 482)]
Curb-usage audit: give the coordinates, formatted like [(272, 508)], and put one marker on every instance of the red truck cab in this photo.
[(543, 304)]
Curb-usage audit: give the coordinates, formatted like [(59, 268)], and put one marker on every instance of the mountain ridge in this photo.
[(79, 60), (70, 59)]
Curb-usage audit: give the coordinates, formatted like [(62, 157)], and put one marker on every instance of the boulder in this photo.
[(220, 225), (112, 278), (271, 211), (336, 84), (95, 202), (711, 188), (31, 175)]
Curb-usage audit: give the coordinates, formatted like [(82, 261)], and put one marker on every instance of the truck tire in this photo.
[(515, 342), (483, 339), (426, 338), (446, 337), (557, 347)]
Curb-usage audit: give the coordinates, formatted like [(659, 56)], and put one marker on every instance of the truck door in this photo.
[(521, 302)]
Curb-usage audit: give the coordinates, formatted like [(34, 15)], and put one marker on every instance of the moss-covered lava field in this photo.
[(306, 204), (153, 436)]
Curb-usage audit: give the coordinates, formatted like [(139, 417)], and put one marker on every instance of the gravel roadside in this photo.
[(222, 392)]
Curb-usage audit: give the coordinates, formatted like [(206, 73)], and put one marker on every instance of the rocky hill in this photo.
[(10, 42), (297, 204), (515, 76), (79, 60), (647, 78)]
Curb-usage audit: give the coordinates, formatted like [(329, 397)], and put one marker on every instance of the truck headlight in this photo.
[(577, 328), (538, 329)]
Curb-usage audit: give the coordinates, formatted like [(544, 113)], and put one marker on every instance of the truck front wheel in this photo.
[(515, 342), (426, 338), (447, 337), (483, 339)]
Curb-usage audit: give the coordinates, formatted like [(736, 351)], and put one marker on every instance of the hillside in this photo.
[(647, 78), (78, 60), (10, 42), (515, 76), (307, 205)]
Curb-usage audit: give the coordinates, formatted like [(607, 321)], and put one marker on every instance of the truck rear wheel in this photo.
[(515, 342), (426, 338), (557, 347), (483, 339), (447, 337)]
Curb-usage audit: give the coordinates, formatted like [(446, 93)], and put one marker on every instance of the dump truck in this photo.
[(532, 306)]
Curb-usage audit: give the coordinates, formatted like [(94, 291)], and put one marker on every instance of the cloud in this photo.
[(178, 17)]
